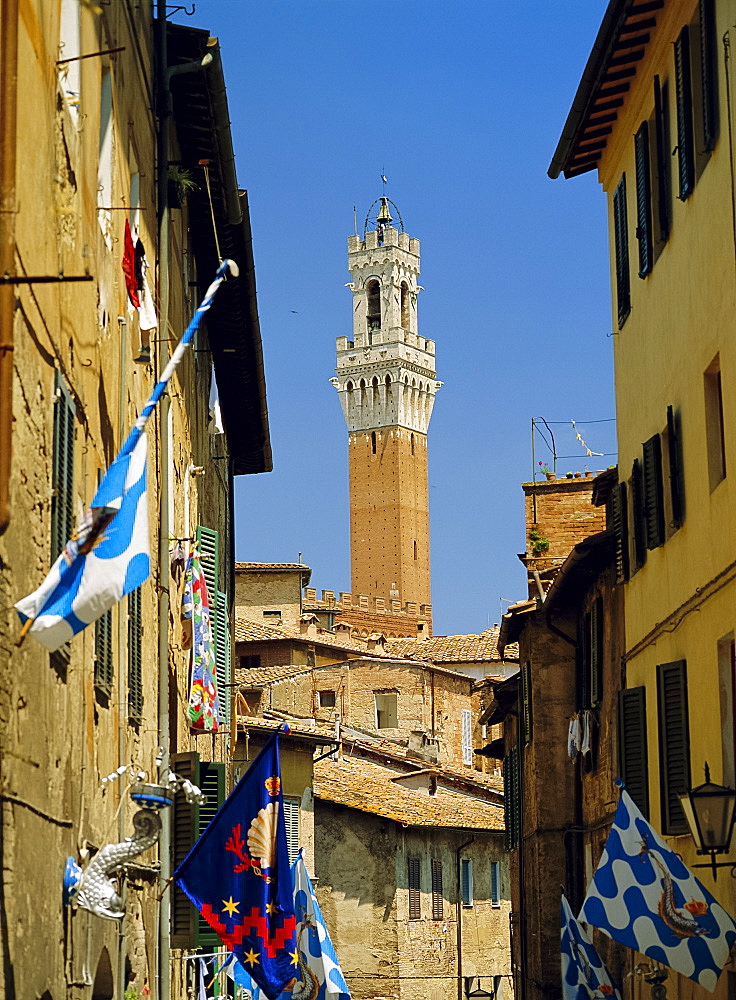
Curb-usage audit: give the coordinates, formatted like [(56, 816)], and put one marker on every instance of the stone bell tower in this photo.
[(386, 382)]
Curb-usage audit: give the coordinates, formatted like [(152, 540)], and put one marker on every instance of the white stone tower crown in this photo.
[(386, 374)]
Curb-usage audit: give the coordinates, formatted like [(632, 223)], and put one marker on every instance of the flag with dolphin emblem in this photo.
[(584, 976), (107, 556), (644, 896)]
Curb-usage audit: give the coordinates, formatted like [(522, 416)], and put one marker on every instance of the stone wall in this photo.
[(257, 591)]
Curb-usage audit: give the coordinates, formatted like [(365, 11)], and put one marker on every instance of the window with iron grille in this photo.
[(415, 896), (62, 490), (437, 904), (135, 656), (103, 673)]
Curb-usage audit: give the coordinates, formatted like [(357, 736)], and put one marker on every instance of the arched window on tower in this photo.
[(404, 305), (374, 306)]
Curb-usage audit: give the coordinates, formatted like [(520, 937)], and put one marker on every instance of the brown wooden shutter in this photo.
[(415, 896), (507, 801), (683, 93), (526, 702), (643, 200), (437, 901), (673, 451), (515, 798), (674, 743), (621, 245), (663, 159), (596, 651), (184, 827), (709, 73), (632, 744), (637, 514), (620, 511), (653, 492)]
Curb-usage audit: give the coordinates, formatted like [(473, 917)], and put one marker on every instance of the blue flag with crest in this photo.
[(237, 876)]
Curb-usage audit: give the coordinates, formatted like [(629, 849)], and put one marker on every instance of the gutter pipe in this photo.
[(8, 153)]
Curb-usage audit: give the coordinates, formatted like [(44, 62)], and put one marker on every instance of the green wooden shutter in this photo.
[(683, 93), (222, 657), (709, 73), (184, 827), (104, 670), (673, 450), (620, 513), (526, 702), (653, 492), (291, 822), (663, 159), (415, 907), (637, 513), (643, 200), (62, 481), (212, 783), (632, 745), (208, 546), (674, 743), (135, 656), (596, 651), (621, 245)]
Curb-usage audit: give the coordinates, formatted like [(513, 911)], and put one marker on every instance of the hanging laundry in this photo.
[(204, 707), (128, 266), (215, 425), (585, 738), (140, 256), (573, 738), (147, 314), (177, 561), (202, 991)]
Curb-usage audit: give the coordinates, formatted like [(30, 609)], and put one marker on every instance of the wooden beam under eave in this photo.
[(601, 119), (646, 8), (626, 60), (643, 25), (595, 134), (619, 74), (631, 43), (583, 169), (619, 88), (597, 108), (583, 148)]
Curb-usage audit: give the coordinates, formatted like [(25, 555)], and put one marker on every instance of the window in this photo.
[(135, 656), (526, 702), (637, 510), (386, 711), (326, 699), (415, 551), (708, 74), (466, 881), (595, 651), (511, 798), (653, 492), (620, 514), (684, 100), (674, 459), (411, 439), (62, 476), (404, 305), (714, 430), (643, 200), (250, 662), (373, 442), (727, 691), (495, 884), (437, 907), (662, 176), (274, 617), (467, 737), (103, 670), (373, 314), (674, 743), (415, 905), (632, 741), (208, 546), (291, 821), (621, 246)]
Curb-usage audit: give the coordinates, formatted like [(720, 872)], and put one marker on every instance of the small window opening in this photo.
[(273, 616), (326, 699), (349, 386), (386, 711), (415, 550), (387, 380), (412, 444), (374, 306), (404, 305), (714, 429), (373, 442)]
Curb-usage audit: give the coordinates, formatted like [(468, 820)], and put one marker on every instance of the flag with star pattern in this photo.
[(237, 876)]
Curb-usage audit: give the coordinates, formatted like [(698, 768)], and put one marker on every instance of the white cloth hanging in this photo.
[(585, 739), (215, 425), (573, 738)]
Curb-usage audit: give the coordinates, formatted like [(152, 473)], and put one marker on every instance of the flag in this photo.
[(107, 556), (202, 992), (319, 974), (643, 896), (584, 976), (204, 706), (237, 876)]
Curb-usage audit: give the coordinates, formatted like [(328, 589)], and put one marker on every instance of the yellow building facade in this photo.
[(652, 116)]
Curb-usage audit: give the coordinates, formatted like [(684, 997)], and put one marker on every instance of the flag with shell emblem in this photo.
[(643, 895), (237, 876), (584, 976)]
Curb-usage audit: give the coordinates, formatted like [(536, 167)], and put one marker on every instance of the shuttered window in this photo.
[(466, 881), (291, 821), (135, 656), (643, 200), (620, 511), (637, 514), (103, 672), (709, 74), (621, 246), (467, 737), (526, 702), (62, 482), (437, 903), (596, 651), (415, 904), (511, 799), (495, 884), (188, 929), (208, 546), (632, 741), (653, 492), (675, 466), (661, 125), (222, 657), (683, 93), (674, 743)]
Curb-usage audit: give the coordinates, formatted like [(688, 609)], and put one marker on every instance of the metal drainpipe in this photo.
[(8, 146), (460, 919), (122, 706), (164, 114)]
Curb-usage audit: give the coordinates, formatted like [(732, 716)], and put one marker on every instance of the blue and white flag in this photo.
[(584, 976), (108, 556), (643, 896), (319, 976)]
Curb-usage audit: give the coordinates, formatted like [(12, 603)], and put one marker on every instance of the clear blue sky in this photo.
[(461, 104)]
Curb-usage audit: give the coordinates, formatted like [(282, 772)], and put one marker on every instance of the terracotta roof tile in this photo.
[(368, 787), (481, 648), (248, 630), (270, 567)]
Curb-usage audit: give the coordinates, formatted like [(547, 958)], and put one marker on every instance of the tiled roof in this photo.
[(481, 648), (248, 630), (258, 676), (248, 567), (368, 787), (320, 732)]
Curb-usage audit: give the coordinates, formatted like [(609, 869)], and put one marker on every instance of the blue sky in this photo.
[(461, 105)]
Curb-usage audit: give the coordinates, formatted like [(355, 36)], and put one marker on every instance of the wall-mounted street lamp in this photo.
[(710, 811)]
